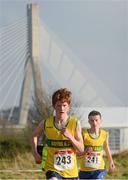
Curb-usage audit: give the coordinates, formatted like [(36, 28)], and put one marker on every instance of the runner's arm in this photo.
[(36, 134), (76, 141), (109, 156)]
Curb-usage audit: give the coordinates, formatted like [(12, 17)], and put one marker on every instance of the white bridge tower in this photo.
[(32, 67)]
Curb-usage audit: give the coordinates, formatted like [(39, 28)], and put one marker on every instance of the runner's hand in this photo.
[(88, 151), (38, 158)]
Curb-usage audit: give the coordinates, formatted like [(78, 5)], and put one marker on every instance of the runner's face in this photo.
[(95, 121), (61, 108)]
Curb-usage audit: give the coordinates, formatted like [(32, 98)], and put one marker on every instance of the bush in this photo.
[(11, 145)]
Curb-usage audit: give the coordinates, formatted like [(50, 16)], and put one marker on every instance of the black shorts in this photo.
[(50, 174)]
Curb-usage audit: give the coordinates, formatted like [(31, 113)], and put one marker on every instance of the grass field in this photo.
[(121, 162), (23, 167)]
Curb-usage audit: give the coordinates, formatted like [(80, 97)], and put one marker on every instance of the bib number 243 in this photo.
[(63, 160)]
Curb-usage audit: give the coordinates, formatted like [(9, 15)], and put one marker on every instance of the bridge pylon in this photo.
[(32, 66)]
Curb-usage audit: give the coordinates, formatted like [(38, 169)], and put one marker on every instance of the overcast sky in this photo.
[(95, 30)]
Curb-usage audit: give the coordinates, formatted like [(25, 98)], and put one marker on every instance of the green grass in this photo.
[(22, 166), (121, 163), (25, 162), (15, 155)]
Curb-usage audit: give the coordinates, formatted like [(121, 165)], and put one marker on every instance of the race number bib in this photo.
[(63, 159), (93, 160)]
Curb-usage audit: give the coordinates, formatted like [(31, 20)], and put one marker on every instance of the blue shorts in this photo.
[(50, 174), (97, 174)]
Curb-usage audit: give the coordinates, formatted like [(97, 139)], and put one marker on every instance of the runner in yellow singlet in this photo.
[(92, 164), (64, 138)]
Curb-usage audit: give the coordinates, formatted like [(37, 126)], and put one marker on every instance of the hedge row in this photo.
[(10, 146)]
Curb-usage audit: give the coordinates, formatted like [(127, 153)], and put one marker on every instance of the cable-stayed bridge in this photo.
[(59, 67), (12, 61), (34, 62)]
